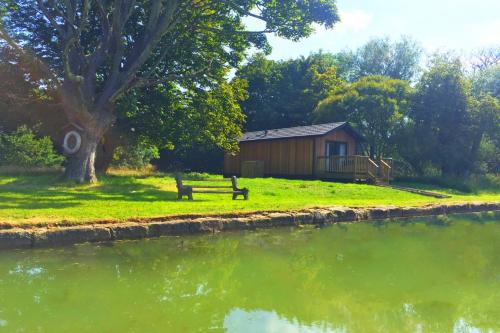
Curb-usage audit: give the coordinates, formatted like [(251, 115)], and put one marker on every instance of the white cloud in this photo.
[(356, 20)]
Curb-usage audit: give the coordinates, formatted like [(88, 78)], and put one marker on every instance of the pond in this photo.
[(422, 275)]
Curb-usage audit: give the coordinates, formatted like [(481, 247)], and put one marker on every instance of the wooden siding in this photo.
[(340, 135), (287, 157), (284, 157)]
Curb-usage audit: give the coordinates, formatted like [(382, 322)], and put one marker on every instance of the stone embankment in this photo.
[(98, 232)]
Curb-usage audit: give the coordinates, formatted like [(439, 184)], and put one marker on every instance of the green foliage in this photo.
[(23, 149), (206, 37), (488, 159), (135, 155), (487, 81), (196, 176), (173, 118), (441, 115), (375, 105), (485, 127), (381, 56), (284, 93)]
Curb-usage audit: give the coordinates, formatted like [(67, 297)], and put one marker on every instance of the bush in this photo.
[(23, 149), (488, 160), (196, 176), (135, 155)]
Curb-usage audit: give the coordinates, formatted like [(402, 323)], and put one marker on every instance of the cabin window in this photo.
[(336, 148)]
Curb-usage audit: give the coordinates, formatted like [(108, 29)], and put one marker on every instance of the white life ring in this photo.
[(78, 142)]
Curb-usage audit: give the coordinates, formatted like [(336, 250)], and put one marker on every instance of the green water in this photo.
[(439, 275)]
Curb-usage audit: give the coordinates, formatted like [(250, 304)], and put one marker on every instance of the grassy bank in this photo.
[(46, 198)]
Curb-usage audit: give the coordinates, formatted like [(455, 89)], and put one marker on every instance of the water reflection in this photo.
[(462, 326), (242, 321), (28, 271)]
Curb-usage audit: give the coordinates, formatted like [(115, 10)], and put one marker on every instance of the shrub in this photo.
[(196, 176), (134, 155), (23, 148)]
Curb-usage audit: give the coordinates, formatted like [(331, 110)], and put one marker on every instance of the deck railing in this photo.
[(353, 167)]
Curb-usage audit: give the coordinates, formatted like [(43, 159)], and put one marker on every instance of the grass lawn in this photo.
[(45, 198)]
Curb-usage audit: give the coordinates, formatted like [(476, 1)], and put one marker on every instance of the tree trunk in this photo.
[(80, 167)]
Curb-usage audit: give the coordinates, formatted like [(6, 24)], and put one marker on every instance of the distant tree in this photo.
[(376, 105), (284, 93), (487, 81), (345, 62), (485, 116), (486, 58), (95, 51), (442, 119), (381, 56)]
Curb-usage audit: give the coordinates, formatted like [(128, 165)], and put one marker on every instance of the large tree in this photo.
[(442, 119), (380, 56), (284, 93), (95, 51), (376, 105)]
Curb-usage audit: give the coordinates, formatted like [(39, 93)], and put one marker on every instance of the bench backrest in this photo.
[(234, 182), (178, 181)]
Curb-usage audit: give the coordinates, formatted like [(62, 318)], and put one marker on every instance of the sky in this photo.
[(439, 25)]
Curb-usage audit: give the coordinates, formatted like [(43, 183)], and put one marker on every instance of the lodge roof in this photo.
[(295, 132)]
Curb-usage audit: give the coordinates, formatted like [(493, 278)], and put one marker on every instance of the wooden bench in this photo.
[(188, 190)]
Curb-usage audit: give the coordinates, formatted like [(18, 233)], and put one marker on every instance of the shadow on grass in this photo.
[(49, 191)]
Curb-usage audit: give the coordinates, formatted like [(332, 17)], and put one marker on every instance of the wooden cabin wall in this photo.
[(283, 157), (232, 164), (338, 135)]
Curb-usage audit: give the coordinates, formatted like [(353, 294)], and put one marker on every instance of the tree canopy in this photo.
[(380, 56), (376, 105), (441, 115), (284, 93)]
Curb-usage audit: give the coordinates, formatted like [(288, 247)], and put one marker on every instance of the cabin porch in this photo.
[(353, 167)]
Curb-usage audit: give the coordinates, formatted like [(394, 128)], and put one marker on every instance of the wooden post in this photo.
[(355, 167)]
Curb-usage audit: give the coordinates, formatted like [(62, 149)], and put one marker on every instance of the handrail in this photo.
[(373, 162), (385, 170), (352, 166), (387, 165), (373, 169)]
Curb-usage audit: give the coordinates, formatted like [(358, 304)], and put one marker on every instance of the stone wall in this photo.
[(56, 236)]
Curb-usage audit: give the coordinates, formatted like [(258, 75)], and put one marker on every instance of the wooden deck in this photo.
[(354, 167)]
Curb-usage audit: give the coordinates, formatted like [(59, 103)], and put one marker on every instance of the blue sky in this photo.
[(461, 25)]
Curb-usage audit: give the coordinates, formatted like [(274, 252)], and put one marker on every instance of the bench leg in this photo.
[(243, 193)]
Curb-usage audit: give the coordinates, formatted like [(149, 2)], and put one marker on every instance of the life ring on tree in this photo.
[(77, 138)]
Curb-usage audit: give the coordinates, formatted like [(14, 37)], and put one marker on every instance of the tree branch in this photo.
[(140, 53), (40, 64)]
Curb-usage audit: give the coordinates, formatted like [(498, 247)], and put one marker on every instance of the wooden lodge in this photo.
[(323, 151)]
